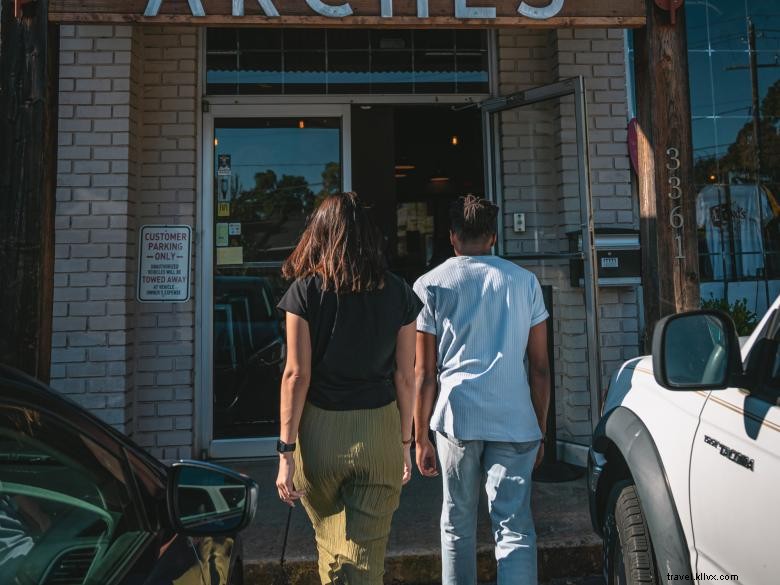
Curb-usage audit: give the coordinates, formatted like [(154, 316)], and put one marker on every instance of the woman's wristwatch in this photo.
[(283, 447)]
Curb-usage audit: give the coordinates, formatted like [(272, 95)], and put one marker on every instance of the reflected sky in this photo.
[(286, 151)]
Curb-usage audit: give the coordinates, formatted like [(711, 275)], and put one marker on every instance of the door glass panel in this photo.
[(269, 174), (540, 178)]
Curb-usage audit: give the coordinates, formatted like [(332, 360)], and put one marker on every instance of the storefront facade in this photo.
[(237, 131)]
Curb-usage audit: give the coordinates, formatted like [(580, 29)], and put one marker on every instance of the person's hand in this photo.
[(407, 464), (284, 481), (539, 454), (426, 457)]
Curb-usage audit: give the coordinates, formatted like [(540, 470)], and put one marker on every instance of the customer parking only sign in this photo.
[(164, 263)]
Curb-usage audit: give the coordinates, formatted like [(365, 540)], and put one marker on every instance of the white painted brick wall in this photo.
[(541, 179), (127, 134), (92, 355), (165, 333)]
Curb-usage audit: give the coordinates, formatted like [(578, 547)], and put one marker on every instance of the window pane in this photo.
[(299, 39), (391, 72), (696, 26), (257, 39), (222, 74), (348, 39), (434, 39), (434, 71), (221, 39), (471, 40), (261, 73), (304, 72), (700, 84), (348, 71), (472, 73), (386, 40), (731, 80), (727, 24)]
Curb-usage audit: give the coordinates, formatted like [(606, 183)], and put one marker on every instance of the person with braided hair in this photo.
[(481, 316)]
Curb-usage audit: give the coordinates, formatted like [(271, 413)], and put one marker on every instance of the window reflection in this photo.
[(270, 173), (736, 136)]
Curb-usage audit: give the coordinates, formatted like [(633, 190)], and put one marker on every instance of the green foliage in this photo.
[(745, 319)]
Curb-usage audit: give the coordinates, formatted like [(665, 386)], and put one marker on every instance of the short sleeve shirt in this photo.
[(353, 339), (481, 310)]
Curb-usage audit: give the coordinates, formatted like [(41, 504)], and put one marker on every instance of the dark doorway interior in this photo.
[(410, 163)]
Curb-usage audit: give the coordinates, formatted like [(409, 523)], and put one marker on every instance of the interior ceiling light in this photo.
[(405, 167), (454, 140), (301, 124), (439, 179), (400, 176)]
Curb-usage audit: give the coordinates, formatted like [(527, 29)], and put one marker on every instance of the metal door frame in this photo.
[(245, 447), (491, 125)]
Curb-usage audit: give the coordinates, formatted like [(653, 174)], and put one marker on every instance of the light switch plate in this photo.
[(519, 223)]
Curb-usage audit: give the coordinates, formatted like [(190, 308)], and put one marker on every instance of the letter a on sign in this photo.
[(267, 6), (153, 8)]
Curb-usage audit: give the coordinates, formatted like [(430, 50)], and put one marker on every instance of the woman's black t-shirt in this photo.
[(353, 339)]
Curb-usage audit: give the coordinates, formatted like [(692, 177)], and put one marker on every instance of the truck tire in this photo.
[(628, 551)]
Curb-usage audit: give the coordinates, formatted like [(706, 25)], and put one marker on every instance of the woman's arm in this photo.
[(296, 377), (404, 387), (295, 386)]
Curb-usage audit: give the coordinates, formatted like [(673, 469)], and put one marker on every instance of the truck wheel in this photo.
[(628, 552)]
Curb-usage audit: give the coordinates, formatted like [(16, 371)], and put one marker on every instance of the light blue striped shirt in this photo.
[(481, 310)]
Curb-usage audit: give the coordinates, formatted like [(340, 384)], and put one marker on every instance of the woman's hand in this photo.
[(407, 464), (284, 481)]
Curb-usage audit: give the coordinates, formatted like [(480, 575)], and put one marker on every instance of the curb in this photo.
[(425, 569)]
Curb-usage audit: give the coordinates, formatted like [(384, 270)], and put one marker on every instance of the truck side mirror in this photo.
[(209, 500), (696, 350)]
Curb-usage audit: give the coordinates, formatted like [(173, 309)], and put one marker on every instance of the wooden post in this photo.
[(667, 195), (28, 149)]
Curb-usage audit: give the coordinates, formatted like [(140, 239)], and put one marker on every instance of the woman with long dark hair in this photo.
[(347, 389)]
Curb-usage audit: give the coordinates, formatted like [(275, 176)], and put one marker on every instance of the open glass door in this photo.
[(265, 170), (537, 156)]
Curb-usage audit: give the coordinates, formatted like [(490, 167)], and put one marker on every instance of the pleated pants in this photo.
[(350, 465)]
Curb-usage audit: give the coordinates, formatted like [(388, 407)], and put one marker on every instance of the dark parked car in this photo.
[(80, 504)]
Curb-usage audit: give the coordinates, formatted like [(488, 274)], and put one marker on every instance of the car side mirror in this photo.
[(206, 499), (696, 350)]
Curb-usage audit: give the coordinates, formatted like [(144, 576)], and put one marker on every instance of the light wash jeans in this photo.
[(508, 467)]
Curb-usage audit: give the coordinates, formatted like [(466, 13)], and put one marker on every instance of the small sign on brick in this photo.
[(164, 263)]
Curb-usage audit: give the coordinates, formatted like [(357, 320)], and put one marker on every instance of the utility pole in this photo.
[(28, 150), (667, 195)]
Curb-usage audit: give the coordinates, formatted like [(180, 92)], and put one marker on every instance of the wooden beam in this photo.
[(28, 147), (667, 196), (363, 13), (352, 22)]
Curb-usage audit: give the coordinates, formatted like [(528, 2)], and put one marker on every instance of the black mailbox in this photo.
[(618, 257)]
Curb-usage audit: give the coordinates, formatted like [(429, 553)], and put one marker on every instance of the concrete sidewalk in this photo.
[(567, 544)]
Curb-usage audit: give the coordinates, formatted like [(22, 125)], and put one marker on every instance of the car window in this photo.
[(66, 511), (764, 357)]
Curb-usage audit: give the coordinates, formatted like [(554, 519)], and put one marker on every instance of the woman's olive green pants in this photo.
[(350, 465)]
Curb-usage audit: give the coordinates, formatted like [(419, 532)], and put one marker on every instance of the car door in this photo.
[(735, 466), (68, 510)]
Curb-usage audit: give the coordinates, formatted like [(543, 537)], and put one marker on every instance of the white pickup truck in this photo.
[(684, 468)]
